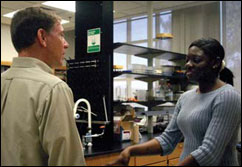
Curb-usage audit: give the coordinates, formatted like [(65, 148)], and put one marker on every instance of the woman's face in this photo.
[(199, 67)]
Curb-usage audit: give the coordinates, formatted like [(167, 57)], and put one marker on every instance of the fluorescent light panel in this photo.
[(65, 5), (10, 15), (64, 21)]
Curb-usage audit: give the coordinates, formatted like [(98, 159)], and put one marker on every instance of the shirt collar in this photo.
[(30, 62)]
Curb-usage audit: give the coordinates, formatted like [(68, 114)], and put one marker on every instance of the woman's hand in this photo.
[(151, 147), (123, 159)]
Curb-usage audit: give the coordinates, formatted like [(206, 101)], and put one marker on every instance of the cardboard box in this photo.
[(124, 123)]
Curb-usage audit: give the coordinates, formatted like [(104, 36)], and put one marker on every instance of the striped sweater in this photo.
[(209, 123)]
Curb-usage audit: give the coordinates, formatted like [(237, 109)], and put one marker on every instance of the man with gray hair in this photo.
[(37, 123)]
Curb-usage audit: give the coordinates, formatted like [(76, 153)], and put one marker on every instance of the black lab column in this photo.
[(90, 74)]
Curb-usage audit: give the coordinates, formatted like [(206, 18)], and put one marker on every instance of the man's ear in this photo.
[(41, 37)]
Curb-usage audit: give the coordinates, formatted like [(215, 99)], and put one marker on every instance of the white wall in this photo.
[(8, 51), (192, 23), (232, 41), (70, 38)]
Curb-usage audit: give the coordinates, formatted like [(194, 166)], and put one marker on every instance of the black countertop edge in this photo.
[(116, 147)]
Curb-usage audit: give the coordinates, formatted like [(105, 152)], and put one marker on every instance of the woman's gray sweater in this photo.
[(209, 123)]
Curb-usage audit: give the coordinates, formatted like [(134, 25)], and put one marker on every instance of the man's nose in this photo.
[(66, 44)]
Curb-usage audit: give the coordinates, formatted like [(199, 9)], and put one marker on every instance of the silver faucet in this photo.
[(89, 133)]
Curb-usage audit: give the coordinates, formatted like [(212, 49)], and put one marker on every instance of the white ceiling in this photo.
[(123, 9)]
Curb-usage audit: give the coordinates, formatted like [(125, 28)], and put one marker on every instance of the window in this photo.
[(139, 29), (139, 60), (134, 31), (120, 35), (165, 22), (120, 90), (138, 85), (165, 27), (120, 85), (120, 59), (120, 32)]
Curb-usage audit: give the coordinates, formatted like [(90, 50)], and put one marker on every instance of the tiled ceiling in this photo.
[(123, 9)]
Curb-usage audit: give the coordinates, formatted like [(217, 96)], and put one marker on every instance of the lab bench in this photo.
[(101, 154)]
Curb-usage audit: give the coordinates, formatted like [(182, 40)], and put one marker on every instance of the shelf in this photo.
[(148, 53), (138, 76), (155, 113), (93, 122), (148, 77), (150, 103)]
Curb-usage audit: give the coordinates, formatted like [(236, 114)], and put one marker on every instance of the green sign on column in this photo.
[(93, 40)]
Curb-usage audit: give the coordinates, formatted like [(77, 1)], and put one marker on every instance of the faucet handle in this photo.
[(102, 127)]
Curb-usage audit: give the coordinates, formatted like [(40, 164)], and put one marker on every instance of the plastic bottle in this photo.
[(136, 134), (169, 93)]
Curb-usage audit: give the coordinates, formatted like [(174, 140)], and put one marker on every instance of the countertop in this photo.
[(115, 147)]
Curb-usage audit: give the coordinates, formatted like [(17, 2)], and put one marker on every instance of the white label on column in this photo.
[(93, 40)]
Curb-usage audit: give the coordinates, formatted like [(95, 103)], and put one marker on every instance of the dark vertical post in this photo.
[(91, 78)]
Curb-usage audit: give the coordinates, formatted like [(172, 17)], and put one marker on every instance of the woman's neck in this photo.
[(208, 87)]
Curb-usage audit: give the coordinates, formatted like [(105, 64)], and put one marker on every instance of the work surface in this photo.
[(101, 149)]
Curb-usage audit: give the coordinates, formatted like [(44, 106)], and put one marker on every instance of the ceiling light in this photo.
[(10, 15), (64, 21), (65, 5)]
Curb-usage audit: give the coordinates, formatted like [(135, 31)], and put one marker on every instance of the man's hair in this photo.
[(25, 24)]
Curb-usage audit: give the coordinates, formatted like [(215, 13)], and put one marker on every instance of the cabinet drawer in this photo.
[(132, 161), (164, 163), (100, 160), (145, 160), (104, 159), (173, 162), (177, 152)]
